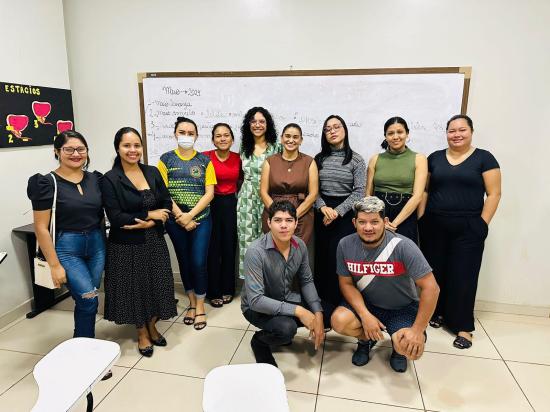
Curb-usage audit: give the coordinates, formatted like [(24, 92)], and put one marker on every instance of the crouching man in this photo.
[(273, 265), (378, 275)]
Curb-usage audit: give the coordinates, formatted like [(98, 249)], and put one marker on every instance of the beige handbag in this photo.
[(42, 272)]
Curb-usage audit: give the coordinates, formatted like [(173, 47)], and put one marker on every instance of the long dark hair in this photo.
[(247, 141), (325, 145), (63, 137), (118, 138), (391, 121)]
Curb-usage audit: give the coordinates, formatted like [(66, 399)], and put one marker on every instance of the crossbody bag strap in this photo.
[(52, 217), (382, 257)]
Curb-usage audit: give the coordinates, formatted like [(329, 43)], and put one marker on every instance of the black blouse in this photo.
[(75, 211), (458, 190)]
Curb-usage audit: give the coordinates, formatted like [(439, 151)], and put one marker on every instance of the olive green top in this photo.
[(394, 172)]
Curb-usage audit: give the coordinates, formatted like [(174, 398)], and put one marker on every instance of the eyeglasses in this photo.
[(70, 150), (329, 129), (261, 122)]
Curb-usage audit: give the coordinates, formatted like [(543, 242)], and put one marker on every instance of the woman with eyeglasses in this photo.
[(398, 177), (259, 141), (79, 254), (190, 179), (341, 184), (223, 242), (291, 176), (139, 284)]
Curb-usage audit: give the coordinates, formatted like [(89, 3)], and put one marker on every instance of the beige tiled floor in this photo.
[(507, 369)]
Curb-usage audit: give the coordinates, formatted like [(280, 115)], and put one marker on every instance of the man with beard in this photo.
[(378, 275)]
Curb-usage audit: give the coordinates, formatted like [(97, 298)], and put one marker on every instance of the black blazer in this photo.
[(123, 203)]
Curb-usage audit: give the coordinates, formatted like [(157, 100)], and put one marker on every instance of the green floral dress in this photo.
[(249, 203)]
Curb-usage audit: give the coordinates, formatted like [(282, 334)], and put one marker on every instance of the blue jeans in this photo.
[(82, 255), (192, 253)]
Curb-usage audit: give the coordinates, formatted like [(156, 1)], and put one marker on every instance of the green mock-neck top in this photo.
[(394, 172)]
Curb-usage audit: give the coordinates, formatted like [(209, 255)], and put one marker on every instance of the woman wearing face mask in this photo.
[(398, 177), (341, 184), (223, 242), (291, 176), (259, 141), (139, 286), (190, 178), (79, 254)]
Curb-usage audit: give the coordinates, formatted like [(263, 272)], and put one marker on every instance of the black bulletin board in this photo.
[(33, 115)]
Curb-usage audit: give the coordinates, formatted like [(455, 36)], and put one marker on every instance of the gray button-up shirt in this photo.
[(268, 278)]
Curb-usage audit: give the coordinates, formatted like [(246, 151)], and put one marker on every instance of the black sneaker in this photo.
[(398, 362), (361, 355), (262, 352)]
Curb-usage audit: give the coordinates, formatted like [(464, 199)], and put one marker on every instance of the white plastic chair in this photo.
[(245, 388), (70, 371)]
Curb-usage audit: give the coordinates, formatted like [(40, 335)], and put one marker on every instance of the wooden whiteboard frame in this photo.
[(466, 70)]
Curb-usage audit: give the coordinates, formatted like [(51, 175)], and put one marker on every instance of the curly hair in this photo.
[(247, 139)]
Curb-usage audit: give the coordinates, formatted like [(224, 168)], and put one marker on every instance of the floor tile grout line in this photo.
[(15, 383), (168, 373), (418, 382), (527, 363), (108, 393), (513, 314), (519, 386), (237, 348), (220, 327), (491, 340), (15, 322), (507, 367), (375, 403), (463, 356), (430, 351), (25, 353), (320, 372)]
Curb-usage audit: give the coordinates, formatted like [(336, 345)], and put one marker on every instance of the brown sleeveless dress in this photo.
[(289, 180)]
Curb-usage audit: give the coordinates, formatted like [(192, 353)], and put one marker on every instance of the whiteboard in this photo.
[(425, 100)]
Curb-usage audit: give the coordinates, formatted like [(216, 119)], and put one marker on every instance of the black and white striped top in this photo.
[(340, 180)]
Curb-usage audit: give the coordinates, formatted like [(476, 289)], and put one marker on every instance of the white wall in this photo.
[(32, 51), (505, 41)]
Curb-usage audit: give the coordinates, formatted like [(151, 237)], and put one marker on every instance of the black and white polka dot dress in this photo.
[(139, 283)]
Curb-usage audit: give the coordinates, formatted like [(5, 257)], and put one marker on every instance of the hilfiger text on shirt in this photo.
[(388, 269)]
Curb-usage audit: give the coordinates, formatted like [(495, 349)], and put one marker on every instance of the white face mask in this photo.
[(186, 142)]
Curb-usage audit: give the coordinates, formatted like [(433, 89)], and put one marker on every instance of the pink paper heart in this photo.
[(18, 122), (41, 109), (64, 125)]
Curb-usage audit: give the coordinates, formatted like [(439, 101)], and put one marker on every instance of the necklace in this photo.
[(290, 163)]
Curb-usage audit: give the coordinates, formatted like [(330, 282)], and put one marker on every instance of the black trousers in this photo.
[(454, 248), (278, 330), (394, 203), (223, 245), (326, 242)]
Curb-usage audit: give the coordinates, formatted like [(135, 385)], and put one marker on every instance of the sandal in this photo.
[(227, 299), (216, 303), (188, 320), (462, 343), (200, 325), (436, 321)]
